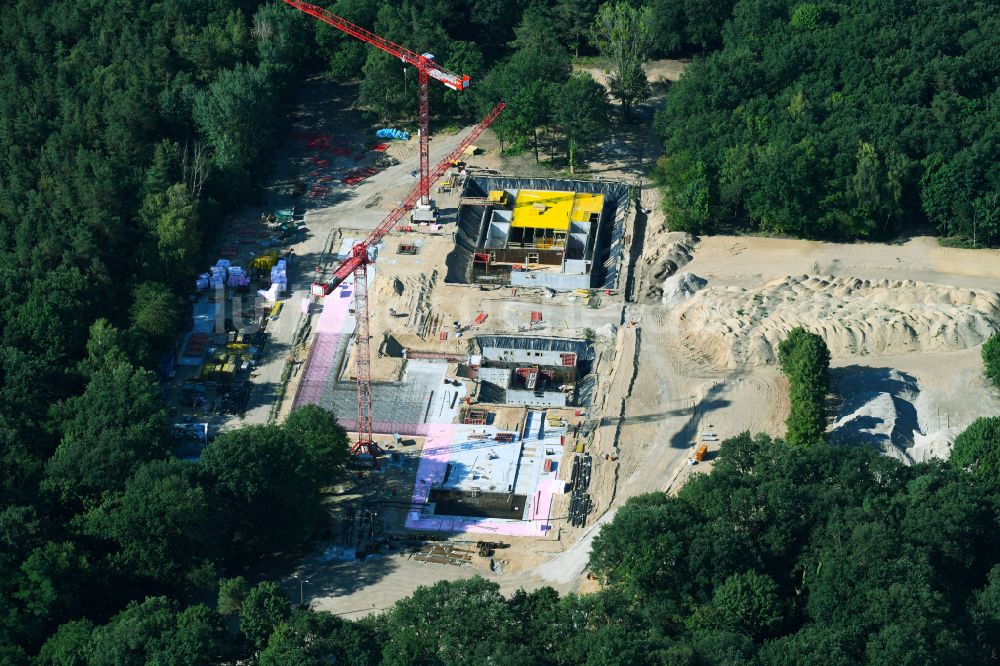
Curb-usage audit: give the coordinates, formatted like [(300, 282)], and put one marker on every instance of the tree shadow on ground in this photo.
[(337, 579), (632, 145), (854, 386), (645, 418)]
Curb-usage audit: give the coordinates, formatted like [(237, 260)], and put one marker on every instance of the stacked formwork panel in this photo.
[(580, 502)]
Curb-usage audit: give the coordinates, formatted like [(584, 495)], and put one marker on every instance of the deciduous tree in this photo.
[(153, 632), (232, 593), (445, 623), (234, 114), (310, 638), (622, 33), (991, 359), (268, 486), (155, 311), (69, 646), (977, 449), (263, 610), (749, 603), (161, 523), (52, 584), (324, 439), (116, 424), (172, 219), (580, 112), (805, 360)]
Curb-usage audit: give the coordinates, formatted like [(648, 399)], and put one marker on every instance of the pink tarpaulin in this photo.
[(540, 508), (434, 460), (329, 330), (434, 463)]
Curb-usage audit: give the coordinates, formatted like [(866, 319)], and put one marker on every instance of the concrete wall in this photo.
[(557, 281), (548, 399), (528, 356), (576, 246), (520, 256), (497, 376), (496, 235), (583, 350), (575, 267)]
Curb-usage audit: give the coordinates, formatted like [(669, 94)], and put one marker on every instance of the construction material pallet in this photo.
[(475, 417)]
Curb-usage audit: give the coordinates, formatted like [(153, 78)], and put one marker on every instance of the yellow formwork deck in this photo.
[(544, 209)]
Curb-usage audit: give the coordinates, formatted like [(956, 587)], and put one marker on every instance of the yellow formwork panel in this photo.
[(545, 209), (540, 209), (265, 262), (585, 205)]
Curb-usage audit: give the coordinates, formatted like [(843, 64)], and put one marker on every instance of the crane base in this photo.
[(424, 214)]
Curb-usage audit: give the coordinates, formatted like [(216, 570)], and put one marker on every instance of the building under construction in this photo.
[(540, 232), (534, 371)]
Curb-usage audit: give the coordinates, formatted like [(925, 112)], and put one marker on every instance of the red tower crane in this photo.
[(427, 69), (357, 264)]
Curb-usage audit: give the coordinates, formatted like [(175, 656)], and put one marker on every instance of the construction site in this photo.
[(467, 384), (515, 352), (547, 233), (484, 408)]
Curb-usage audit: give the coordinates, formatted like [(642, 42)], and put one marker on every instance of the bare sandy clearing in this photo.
[(751, 261), (739, 326)]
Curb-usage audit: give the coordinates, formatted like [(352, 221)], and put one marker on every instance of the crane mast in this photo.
[(357, 265)]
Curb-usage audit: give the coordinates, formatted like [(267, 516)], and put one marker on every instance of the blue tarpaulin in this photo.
[(389, 133)]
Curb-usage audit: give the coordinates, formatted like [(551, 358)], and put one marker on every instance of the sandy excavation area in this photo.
[(737, 326), (672, 372), (904, 324)]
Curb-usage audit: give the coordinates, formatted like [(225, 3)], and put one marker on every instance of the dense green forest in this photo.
[(125, 128), (781, 555), (841, 119), (129, 128)]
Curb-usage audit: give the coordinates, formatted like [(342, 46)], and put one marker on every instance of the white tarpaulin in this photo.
[(270, 295)]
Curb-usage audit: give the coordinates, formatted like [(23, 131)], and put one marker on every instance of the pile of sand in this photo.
[(885, 409), (934, 445), (679, 288), (736, 327), (607, 330), (878, 411), (665, 261)]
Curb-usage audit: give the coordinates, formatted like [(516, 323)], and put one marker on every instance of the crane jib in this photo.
[(353, 262), (451, 80), (436, 71)]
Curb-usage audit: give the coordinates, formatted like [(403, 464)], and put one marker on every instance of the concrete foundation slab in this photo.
[(469, 458)]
